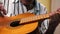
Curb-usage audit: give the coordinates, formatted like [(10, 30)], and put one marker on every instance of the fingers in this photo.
[(55, 12), (4, 12), (2, 9), (58, 10)]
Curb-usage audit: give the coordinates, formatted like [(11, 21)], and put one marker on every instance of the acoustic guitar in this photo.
[(28, 22)]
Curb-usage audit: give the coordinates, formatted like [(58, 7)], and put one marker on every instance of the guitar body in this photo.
[(5, 27)]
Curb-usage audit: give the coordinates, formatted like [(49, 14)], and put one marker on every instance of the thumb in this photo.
[(4, 11), (58, 9)]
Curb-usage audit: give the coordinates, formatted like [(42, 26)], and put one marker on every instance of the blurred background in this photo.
[(52, 5), (47, 3)]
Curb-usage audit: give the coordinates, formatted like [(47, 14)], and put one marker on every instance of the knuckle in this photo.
[(58, 9)]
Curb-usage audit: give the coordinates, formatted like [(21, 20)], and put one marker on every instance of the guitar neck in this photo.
[(34, 18)]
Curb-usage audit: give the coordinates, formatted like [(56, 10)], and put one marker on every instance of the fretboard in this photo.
[(34, 18)]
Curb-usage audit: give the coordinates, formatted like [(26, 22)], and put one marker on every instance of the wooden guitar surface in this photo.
[(5, 27)]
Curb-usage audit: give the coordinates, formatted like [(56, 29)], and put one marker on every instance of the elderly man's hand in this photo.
[(55, 12), (2, 10)]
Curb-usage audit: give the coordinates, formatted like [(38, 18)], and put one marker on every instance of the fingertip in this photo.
[(58, 9)]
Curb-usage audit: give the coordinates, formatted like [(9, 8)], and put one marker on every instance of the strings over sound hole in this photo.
[(15, 23)]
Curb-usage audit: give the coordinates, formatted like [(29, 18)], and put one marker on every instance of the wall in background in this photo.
[(47, 3), (55, 5)]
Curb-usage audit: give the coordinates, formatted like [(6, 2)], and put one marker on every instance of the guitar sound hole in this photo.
[(15, 23)]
